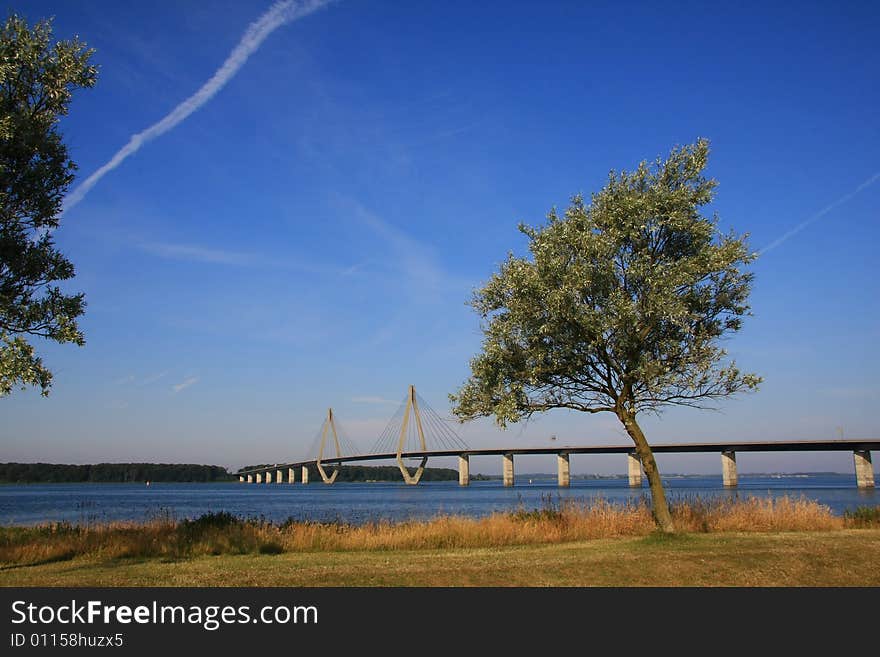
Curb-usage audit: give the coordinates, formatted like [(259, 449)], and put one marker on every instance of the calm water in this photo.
[(361, 502)]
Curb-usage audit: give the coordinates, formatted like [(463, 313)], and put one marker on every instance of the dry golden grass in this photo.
[(222, 533), (756, 515)]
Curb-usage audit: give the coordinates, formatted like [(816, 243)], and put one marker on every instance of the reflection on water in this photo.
[(362, 502)]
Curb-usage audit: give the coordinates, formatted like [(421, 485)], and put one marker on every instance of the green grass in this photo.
[(847, 557)]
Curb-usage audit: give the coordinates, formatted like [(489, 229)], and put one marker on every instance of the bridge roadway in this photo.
[(861, 450)]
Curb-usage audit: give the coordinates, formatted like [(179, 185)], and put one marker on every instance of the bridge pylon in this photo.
[(329, 425), (412, 405)]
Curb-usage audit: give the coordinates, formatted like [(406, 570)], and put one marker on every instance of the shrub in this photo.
[(271, 548), (863, 516)]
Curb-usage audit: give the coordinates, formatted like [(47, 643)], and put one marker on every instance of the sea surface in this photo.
[(87, 503)]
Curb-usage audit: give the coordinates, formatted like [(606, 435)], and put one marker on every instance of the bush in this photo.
[(213, 520), (863, 516)]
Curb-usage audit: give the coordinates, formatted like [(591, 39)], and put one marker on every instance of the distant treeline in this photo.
[(32, 473), (367, 473), (20, 473)]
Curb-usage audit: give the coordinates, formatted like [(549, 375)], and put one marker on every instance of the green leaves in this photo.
[(37, 80), (19, 366), (620, 306)]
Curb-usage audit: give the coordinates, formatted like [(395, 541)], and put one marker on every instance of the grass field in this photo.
[(744, 543), (832, 558)]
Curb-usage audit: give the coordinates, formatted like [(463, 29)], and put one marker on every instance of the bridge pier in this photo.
[(864, 468), (327, 480), (268, 477), (291, 476), (563, 470), (728, 469), (507, 468), (279, 476), (329, 426), (259, 477), (241, 479), (305, 475), (464, 472), (634, 468), (250, 478)]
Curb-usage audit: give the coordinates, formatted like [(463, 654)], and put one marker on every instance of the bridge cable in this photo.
[(312, 452), (386, 441), (446, 434), (346, 444), (438, 434)]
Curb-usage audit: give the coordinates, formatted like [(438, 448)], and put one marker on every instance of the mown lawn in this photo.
[(847, 557)]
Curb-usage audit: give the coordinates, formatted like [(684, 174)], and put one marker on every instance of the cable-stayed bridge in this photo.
[(416, 432)]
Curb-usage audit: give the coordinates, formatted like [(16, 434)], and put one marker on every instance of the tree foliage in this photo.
[(110, 472), (37, 79), (620, 308)]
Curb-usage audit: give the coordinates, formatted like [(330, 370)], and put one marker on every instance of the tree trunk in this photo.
[(659, 507)]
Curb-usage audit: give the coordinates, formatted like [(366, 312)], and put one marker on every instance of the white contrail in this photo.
[(186, 383), (821, 213), (277, 15)]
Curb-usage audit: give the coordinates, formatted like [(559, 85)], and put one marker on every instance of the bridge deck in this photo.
[(681, 448)]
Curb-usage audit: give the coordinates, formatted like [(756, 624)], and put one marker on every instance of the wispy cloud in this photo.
[(354, 269), (131, 378), (406, 263), (416, 260), (154, 377), (215, 256), (196, 253), (186, 383), (843, 199), (277, 15), (374, 400)]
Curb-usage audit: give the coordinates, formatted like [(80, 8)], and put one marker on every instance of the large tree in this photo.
[(619, 309), (37, 79)]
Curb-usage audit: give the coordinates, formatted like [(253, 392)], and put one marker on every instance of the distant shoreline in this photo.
[(156, 473), (474, 477), (62, 473)]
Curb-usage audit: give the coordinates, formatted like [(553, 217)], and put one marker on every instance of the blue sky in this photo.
[(309, 237)]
